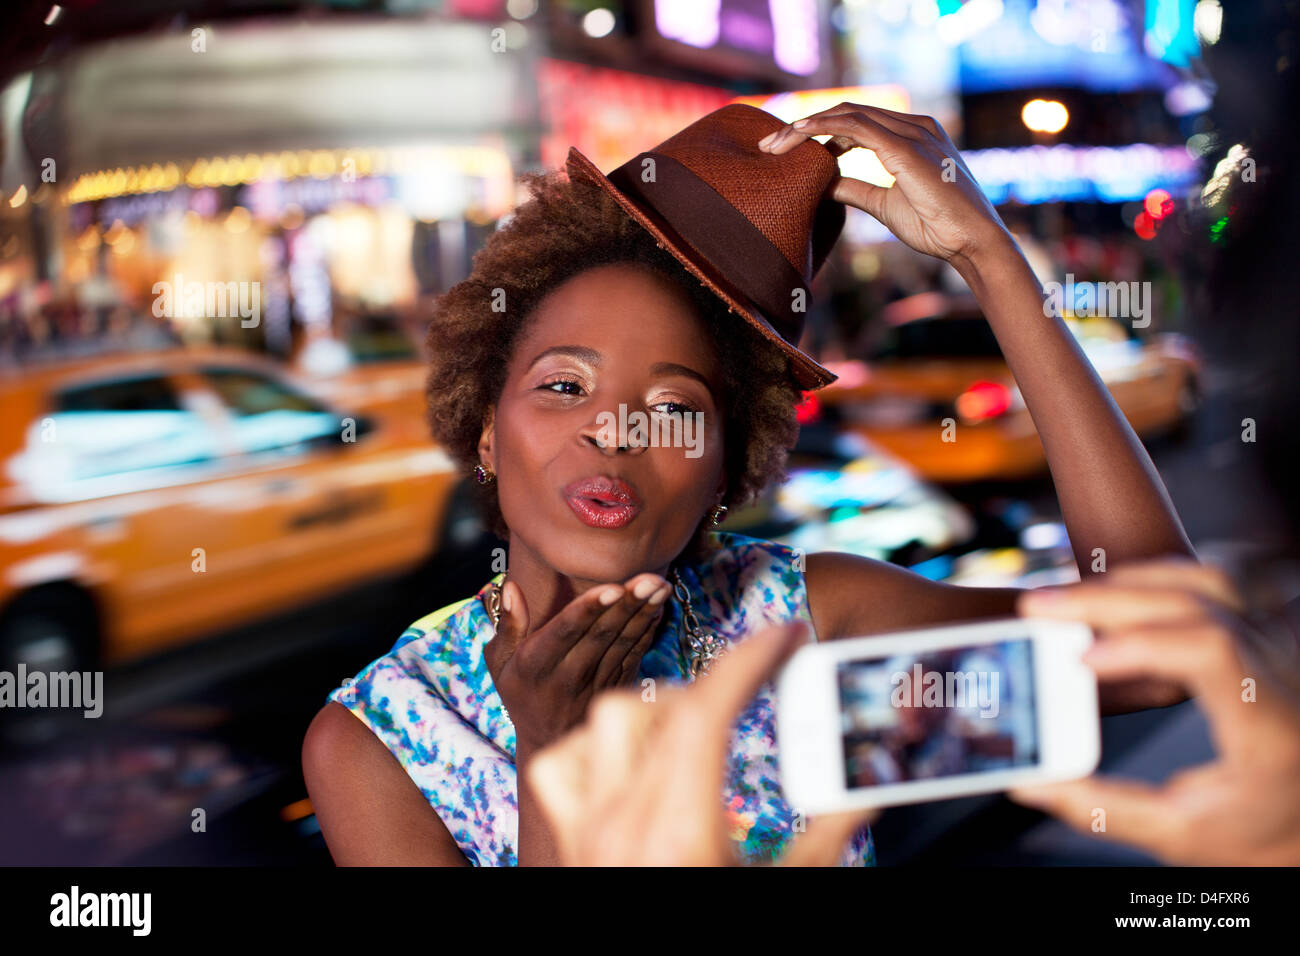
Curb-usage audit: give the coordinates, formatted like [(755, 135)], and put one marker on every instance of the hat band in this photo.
[(721, 233)]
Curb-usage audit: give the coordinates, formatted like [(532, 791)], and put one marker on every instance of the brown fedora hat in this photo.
[(751, 226)]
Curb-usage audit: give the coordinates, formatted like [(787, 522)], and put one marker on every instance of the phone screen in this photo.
[(938, 713)]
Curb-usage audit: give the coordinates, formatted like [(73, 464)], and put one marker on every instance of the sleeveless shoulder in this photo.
[(432, 703)]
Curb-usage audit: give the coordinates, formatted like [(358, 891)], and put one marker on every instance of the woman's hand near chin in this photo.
[(547, 677), (935, 206)]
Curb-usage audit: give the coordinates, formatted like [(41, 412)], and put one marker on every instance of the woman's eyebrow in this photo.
[(581, 352), (672, 368)]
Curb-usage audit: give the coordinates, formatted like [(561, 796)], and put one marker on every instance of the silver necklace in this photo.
[(700, 648)]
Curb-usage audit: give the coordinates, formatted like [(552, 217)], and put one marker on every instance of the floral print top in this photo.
[(432, 701)]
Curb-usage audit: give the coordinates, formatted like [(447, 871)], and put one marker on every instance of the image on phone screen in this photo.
[(938, 713)]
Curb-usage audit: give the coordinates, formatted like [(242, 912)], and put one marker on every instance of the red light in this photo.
[(808, 410), (983, 400), (1158, 204), (1144, 226)]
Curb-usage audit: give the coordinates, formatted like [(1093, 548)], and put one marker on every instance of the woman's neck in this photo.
[(546, 590)]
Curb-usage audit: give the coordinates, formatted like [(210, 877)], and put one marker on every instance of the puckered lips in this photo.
[(603, 501)]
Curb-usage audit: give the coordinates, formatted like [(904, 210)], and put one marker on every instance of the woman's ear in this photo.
[(485, 439)]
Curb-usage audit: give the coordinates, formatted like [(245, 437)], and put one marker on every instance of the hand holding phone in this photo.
[(936, 713)]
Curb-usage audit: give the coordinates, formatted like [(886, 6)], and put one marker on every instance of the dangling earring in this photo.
[(483, 475), (716, 515)]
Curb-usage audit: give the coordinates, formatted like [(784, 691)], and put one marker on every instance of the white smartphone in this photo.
[(936, 713)]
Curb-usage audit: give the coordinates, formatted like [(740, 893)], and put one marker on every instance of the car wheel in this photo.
[(51, 629)]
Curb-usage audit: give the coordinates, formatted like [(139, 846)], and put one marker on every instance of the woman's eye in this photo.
[(563, 386), (674, 408)]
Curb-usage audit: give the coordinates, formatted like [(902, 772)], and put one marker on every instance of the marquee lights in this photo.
[(486, 162)]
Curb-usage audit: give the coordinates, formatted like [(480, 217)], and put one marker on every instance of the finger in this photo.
[(904, 124), (1204, 579), (927, 123), (798, 130), (839, 145), (631, 664), (1107, 606), (736, 678), (609, 668), (827, 835), (862, 195), (856, 128), (680, 773), (695, 724), (930, 125), (1202, 658), (575, 619), (558, 776), (692, 728), (620, 724), (578, 666), (1122, 811)]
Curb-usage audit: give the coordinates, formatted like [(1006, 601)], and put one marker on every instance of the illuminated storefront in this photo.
[(314, 228), (340, 167)]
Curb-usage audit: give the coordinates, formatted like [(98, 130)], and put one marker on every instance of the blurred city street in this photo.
[(224, 230), (219, 725)]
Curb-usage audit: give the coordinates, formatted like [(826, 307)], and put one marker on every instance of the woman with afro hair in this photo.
[(576, 314)]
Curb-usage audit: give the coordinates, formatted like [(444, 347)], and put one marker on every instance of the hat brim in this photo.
[(807, 373)]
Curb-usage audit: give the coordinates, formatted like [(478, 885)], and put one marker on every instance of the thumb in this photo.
[(860, 194), (512, 626), (1127, 811)]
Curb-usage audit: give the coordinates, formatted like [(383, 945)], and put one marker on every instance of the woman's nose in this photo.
[(616, 431)]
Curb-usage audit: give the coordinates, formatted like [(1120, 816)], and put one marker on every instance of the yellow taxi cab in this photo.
[(937, 393), (149, 498)]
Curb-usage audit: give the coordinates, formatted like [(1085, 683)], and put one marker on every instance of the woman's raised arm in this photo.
[(1111, 497), (1113, 502)]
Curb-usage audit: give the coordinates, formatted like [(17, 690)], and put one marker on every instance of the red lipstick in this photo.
[(602, 501)]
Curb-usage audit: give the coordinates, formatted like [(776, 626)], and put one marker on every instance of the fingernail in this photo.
[(661, 595), (1032, 798), (767, 140), (610, 595), (645, 588), (800, 124), (506, 601), (1099, 652), (1045, 598)]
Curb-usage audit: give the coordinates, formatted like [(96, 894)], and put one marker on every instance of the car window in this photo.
[(252, 393), (145, 394), (270, 414), (124, 427)]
